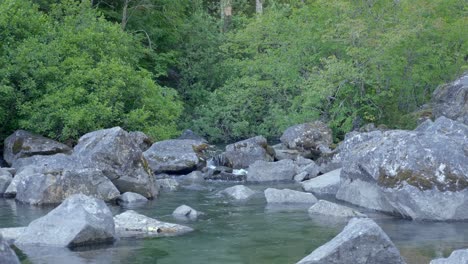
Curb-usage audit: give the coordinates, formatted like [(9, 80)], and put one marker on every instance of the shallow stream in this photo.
[(238, 232)]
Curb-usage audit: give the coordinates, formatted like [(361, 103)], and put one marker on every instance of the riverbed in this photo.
[(238, 232)]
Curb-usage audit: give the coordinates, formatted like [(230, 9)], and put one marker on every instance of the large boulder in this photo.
[(326, 184), (326, 208), (25, 144), (311, 139), (238, 192), (271, 171), (43, 185), (418, 174), (362, 241), (175, 155), (7, 255), (130, 224), (115, 152), (141, 139), (244, 153), (451, 100), (457, 257), (5, 180), (80, 220), (288, 196)]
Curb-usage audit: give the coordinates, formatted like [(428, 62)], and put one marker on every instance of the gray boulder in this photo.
[(130, 224), (271, 171), (301, 176), (289, 196), (418, 174), (25, 144), (238, 192), (121, 160), (186, 212), (326, 208), (80, 220), (457, 257), (193, 177), (189, 134), (326, 184), (450, 100), (168, 184), (43, 185), (282, 152), (311, 139), (5, 180), (175, 155), (244, 153), (141, 139), (7, 255), (131, 198), (362, 241), (311, 169)]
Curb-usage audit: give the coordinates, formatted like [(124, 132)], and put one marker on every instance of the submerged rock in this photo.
[(326, 184), (7, 255), (115, 152), (23, 144), (244, 153), (288, 196), (450, 100), (327, 208), (418, 174), (80, 220), (168, 184), (311, 139), (186, 212), (457, 257), (176, 155), (271, 171), (238, 192), (362, 241), (131, 198), (130, 224)]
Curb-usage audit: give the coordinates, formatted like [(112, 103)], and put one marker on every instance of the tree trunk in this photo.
[(259, 6), (125, 14), (226, 14)]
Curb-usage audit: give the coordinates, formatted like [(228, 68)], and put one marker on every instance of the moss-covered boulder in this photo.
[(420, 174)]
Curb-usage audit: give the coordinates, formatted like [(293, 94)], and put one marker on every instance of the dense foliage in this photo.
[(68, 67)]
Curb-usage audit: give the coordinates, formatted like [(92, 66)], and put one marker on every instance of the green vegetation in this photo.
[(68, 67)]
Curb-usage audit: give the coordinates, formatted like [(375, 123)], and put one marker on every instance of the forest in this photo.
[(227, 69)]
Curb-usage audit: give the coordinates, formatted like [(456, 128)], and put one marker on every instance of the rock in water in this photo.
[(115, 152), (186, 212), (131, 224), (175, 155), (242, 154), (43, 185), (288, 196), (311, 139), (327, 208), (23, 144), (283, 170), (238, 192), (451, 100), (7, 255), (326, 184), (420, 174), (80, 220), (457, 257), (5, 180), (362, 241), (131, 198)]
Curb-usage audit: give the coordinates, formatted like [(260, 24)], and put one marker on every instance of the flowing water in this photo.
[(237, 232)]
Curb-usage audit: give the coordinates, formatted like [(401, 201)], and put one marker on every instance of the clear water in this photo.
[(231, 232)]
